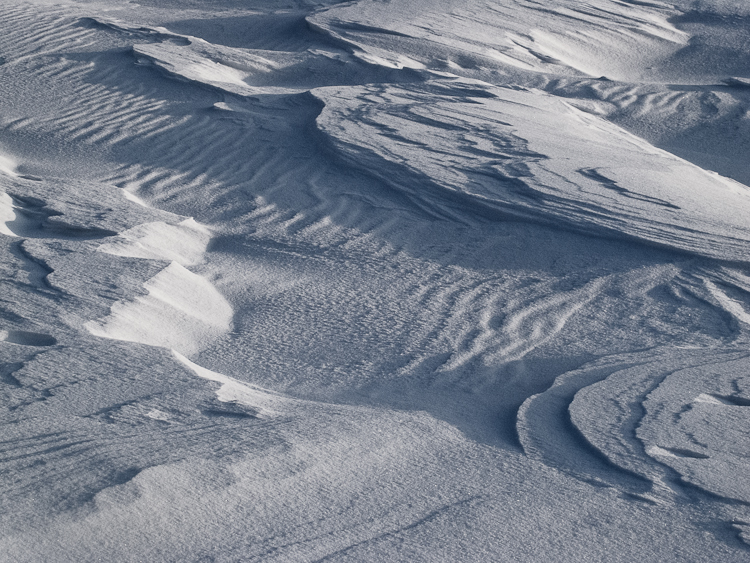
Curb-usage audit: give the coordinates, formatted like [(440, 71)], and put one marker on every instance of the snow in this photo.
[(184, 243), (181, 310), (374, 281)]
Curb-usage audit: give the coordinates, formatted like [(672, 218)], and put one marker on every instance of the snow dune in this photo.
[(184, 243), (182, 311), (365, 281)]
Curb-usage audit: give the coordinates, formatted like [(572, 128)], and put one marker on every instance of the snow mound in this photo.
[(184, 243), (182, 311)]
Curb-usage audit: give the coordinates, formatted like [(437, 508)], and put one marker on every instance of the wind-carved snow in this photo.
[(26, 338), (525, 327), (7, 214), (465, 281), (184, 243), (531, 155), (7, 166), (233, 391), (182, 311), (732, 306), (260, 71), (617, 39), (696, 422)]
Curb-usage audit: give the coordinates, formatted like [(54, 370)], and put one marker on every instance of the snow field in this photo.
[(415, 281)]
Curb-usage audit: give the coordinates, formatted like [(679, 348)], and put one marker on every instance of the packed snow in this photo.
[(404, 280)]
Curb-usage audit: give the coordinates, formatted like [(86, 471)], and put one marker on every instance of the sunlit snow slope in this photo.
[(413, 280)]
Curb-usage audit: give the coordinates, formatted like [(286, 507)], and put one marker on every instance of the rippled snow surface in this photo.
[(402, 280)]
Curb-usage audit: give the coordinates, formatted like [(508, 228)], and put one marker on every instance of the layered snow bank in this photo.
[(531, 155)]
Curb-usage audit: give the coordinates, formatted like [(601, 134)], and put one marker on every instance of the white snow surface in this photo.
[(415, 280)]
